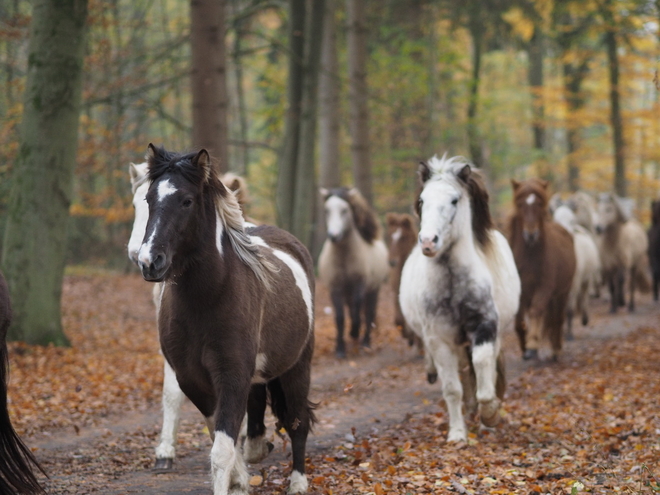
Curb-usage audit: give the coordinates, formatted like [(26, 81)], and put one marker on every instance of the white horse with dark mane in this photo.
[(460, 288)]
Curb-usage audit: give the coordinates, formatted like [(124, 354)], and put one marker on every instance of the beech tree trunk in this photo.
[(358, 96), (474, 138), (573, 77), (208, 78), (620, 182), (38, 210), (535, 77)]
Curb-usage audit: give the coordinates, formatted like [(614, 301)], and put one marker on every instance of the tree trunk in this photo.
[(286, 178), (329, 125), (535, 77), (358, 96), (474, 139), (305, 190), (620, 182), (208, 81), (573, 77), (243, 159), (35, 236)]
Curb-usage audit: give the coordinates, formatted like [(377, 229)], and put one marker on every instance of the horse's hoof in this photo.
[(569, 336), (366, 344), (340, 353), (531, 354), (488, 411), (256, 449), (163, 465), (432, 377), (585, 320), (457, 436)]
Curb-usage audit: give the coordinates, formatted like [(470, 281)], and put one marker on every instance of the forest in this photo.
[(298, 98)]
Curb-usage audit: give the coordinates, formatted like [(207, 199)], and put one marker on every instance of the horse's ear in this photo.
[(405, 222), (515, 184), (544, 184), (152, 153), (235, 185), (325, 193), (132, 171), (464, 173), (391, 218), (424, 172), (203, 161)]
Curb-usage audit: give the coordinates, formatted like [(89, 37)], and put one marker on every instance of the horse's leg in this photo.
[(534, 333), (446, 357), (172, 399), (656, 280), (612, 282), (622, 281), (569, 323), (229, 475), (582, 303), (256, 446), (521, 331), (370, 305), (484, 360), (631, 287), (468, 381), (290, 402), (355, 307), (337, 297)]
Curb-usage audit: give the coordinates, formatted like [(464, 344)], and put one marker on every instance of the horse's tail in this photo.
[(16, 460)]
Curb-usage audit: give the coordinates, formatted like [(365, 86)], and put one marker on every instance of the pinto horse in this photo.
[(353, 261), (545, 257), (172, 397), (402, 237), (460, 289), (16, 460), (236, 314)]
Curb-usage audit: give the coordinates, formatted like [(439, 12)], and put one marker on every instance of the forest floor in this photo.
[(589, 423)]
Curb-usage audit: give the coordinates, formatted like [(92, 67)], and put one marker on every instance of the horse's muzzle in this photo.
[(429, 246), (154, 271), (530, 237)]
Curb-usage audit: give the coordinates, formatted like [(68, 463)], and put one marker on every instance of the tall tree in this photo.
[(35, 236), (536, 52), (616, 120), (476, 27), (208, 78), (358, 95)]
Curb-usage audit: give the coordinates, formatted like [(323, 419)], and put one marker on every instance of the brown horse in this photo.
[(402, 238), (545, 258)]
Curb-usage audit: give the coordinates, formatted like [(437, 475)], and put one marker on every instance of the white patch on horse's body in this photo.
[(531, 199), (454, 290), (229, 474), (172, 399), (298, 274), (396, 235), (165, 188), (298, 483)]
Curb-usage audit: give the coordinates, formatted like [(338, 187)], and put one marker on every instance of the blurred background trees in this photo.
[(563, 90)]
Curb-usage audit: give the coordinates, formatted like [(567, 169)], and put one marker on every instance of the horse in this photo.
[(353, 261), (654, 246), (236, 314), (587, 267), (172, 397), (16, 460), (545, 257), (460, 289), (623, 251), (402, 236)]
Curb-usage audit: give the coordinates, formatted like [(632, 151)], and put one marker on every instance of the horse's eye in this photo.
[(187, 203), (454, 201)]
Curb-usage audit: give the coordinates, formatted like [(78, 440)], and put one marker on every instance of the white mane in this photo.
[(444, 167)]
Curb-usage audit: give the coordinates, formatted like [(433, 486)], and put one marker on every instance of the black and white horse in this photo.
[(460, 289), (236, 314)]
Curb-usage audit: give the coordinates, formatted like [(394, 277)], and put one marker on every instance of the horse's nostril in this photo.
[(435, 239), (158, 262)]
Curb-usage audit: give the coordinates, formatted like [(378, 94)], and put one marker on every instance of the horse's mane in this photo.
[(472, 180), (226, 205), (364, 217)]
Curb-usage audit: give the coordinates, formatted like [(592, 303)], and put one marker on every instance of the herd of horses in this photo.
[(235, 300)]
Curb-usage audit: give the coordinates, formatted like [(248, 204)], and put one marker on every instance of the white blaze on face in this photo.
[(337, 216), (397, 235), (140, 222), (531, 199), (145, 255), (165, 188)]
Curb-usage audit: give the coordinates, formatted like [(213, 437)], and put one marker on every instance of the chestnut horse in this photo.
[(545, 258), (402, 238)]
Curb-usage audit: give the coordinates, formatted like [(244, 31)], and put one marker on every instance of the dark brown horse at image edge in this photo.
[(16, 460), (545, 258)]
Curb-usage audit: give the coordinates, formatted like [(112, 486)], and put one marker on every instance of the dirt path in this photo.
[(365, 393)]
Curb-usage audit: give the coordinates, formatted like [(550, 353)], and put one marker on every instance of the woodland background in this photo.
[(566, 90)]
